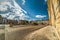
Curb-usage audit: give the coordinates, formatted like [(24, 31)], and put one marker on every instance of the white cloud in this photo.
[(23, 2), (18, 8), (16, 11), (3, 15), (40, 16), (4, 6), (45, 0), (11, 17)]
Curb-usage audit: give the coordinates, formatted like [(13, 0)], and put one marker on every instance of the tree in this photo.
[(35, 23), (0, 17)]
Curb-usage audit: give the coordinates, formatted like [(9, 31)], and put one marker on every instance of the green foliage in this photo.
[(35, 23), (0, 17)]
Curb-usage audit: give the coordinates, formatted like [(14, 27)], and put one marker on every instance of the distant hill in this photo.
[(23, 22)]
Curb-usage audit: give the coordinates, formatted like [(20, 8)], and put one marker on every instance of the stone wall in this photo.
[(54, 13)]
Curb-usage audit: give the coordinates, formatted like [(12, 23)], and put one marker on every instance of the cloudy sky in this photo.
[(24, 9)]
